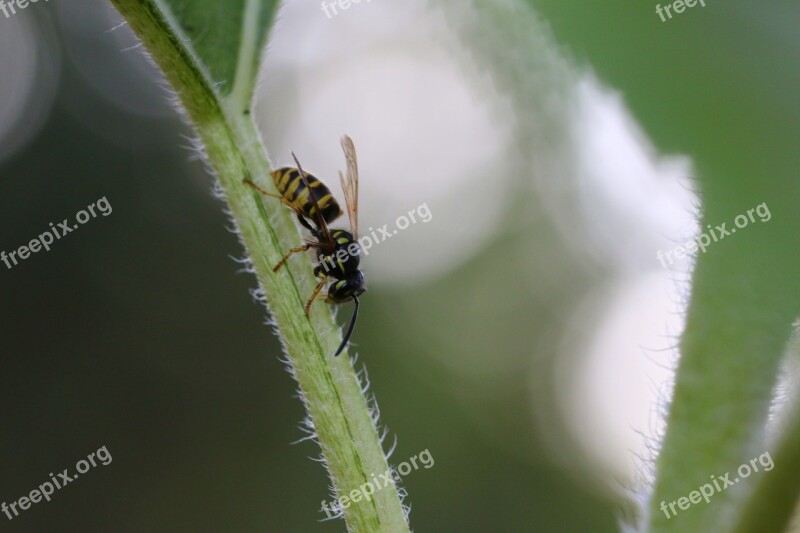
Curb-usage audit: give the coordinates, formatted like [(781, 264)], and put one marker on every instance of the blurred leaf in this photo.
[(710, 84), (713, 82)]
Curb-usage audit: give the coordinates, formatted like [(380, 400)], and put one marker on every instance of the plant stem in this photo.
[(329, 387)]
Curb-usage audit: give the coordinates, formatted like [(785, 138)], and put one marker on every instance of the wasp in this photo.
[(338, 251)]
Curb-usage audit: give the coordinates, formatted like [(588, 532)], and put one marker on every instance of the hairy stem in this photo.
[(330, 389)]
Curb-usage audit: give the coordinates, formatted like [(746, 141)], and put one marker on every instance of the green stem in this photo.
[(330, 388)]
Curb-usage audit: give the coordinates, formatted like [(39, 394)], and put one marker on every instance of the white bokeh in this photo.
[(436, 141)]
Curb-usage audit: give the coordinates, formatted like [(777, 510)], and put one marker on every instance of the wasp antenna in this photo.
[(350, 328)]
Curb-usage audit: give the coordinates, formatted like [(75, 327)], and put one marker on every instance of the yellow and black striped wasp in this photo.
[(338, 251)]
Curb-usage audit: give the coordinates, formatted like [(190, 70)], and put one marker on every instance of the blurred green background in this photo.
[(135, 332)]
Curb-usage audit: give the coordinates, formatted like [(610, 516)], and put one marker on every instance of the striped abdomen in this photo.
[(291, 186)]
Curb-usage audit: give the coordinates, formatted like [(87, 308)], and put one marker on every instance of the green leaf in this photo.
[(226, 37), (210, 53)]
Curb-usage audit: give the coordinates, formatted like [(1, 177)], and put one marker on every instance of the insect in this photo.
[(338, 251)]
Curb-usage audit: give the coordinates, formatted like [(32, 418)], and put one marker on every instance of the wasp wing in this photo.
[(350, 183)]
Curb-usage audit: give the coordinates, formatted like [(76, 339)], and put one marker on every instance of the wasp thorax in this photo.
[(345, 258)]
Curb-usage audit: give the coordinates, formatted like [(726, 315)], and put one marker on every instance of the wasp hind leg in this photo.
[(287, 203), (300, 215), (314, 295)]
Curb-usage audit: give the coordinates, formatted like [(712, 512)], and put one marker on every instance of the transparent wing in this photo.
[(350, 183)]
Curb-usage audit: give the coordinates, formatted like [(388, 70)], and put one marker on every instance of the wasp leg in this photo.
[(293, 251), (307, 246), (300, 216), (315, 293), (265, 192)]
